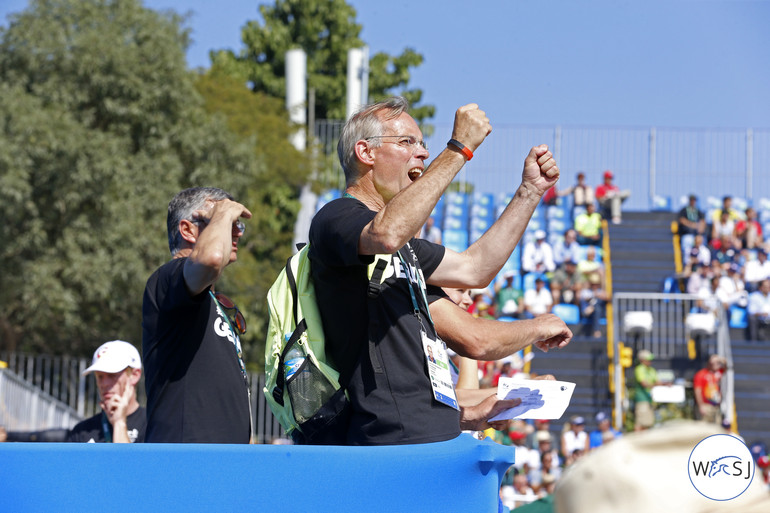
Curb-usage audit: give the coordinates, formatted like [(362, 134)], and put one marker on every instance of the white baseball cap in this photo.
[(114, 356)]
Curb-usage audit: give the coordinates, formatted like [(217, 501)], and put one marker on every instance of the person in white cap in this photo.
[(117, 368), (537, 256)]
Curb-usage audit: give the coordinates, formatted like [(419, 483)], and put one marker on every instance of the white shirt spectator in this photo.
[(702, 254), (538, 257), (756, 270), (759, 304), (733, 289), (567, 248), (538, 302), (574, 441), (711, 299)]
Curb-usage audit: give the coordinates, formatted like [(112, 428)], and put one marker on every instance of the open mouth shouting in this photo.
[(415, 173)]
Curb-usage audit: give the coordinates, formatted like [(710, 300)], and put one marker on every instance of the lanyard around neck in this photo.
[(236, 338), (419, 284)]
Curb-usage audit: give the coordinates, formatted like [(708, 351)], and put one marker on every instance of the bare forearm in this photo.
[(485, 339), (468, 378)]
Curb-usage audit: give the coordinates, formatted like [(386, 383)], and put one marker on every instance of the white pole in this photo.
[(296, 94), (357, 61)]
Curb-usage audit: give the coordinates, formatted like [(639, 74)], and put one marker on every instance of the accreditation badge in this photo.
[(438, 370)]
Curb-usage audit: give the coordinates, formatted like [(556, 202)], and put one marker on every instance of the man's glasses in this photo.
[(228, 304), (238, 225), (407, 141)]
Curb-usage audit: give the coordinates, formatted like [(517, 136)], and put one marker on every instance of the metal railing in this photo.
[(24, 407), (39, 381), (668, 337), (650, 161)]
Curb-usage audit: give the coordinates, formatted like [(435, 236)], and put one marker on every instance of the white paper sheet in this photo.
[(540, 399)]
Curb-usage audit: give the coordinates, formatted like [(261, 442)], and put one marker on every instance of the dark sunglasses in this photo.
[(228, 304)]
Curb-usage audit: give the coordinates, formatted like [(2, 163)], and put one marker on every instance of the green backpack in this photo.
[(301, 386)]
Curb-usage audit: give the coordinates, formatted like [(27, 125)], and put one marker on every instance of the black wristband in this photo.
[(460, 146)]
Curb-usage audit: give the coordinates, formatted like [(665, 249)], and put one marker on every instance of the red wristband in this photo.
[(460, 146)]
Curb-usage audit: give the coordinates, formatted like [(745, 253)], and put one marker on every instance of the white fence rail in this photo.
[(24, 407), (650, 161), (40, 392), (668, 337)]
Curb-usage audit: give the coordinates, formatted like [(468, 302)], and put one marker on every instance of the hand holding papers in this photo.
[(540, 399)]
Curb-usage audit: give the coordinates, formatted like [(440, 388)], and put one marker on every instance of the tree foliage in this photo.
[(100, 125), (326, 30)]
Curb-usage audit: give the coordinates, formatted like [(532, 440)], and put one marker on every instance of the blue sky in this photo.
[(675, 63)]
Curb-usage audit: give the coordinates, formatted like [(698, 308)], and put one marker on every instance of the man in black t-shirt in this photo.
[(691, 219), (197, 388), (117, 369), (380, 344)]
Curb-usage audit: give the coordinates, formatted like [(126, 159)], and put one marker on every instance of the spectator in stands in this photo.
[(540, 426), (707, 391), (711, 297), (733, 288), (566, 248), (700, 251), (593, 299), (521, 493), (566, 283), (481, 305), (646, 377), (727, 253), (697, 277), (722, 229), (588, 226), (610, 197), (518, 437), (574, 438), (603, 432), (508, 297), (692, 220), (431, 232), (748, 232), (727, 206), (546, 472), (538, 255), (590, 266), (582, 194), (538, 301), (117, 368), (756, 270), (537, 464), (759, 312)]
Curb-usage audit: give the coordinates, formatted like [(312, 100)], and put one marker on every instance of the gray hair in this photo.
[(183, 205), (366, 122)]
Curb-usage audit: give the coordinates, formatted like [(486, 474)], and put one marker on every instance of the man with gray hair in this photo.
[(380, 340), (197, 388)]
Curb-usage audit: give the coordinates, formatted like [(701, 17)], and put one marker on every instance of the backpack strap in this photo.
[(298, 330), (376, 270)]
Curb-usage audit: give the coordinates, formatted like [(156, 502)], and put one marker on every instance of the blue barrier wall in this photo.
[(463, 474)]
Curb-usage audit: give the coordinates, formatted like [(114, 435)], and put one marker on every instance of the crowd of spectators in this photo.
[(725, 262), (541, 457)]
